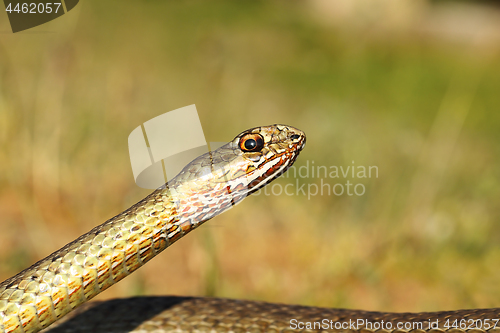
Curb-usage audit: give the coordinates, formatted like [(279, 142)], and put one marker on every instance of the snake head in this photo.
[(251, 160), (217, 180), (264, 153)]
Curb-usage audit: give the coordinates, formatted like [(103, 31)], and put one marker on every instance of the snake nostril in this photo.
[(295, 137)]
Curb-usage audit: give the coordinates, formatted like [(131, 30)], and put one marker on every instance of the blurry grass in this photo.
[(424, 235)]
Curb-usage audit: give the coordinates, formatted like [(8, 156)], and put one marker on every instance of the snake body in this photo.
[(214, 182), (206, 187), (198, 314)]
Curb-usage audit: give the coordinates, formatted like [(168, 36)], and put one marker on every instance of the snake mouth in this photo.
[(303, 144), (298, 138)]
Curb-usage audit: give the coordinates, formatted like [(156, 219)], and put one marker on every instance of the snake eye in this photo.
[(295, 137), (251, 143)]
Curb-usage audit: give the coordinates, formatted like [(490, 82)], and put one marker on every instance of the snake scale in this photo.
[(212, 183)]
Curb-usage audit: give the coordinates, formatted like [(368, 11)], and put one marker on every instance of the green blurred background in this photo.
[(411, 87)]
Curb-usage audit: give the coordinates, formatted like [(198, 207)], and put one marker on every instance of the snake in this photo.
[(63, 282)]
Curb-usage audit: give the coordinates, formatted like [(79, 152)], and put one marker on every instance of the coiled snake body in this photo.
[(214, 182)]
